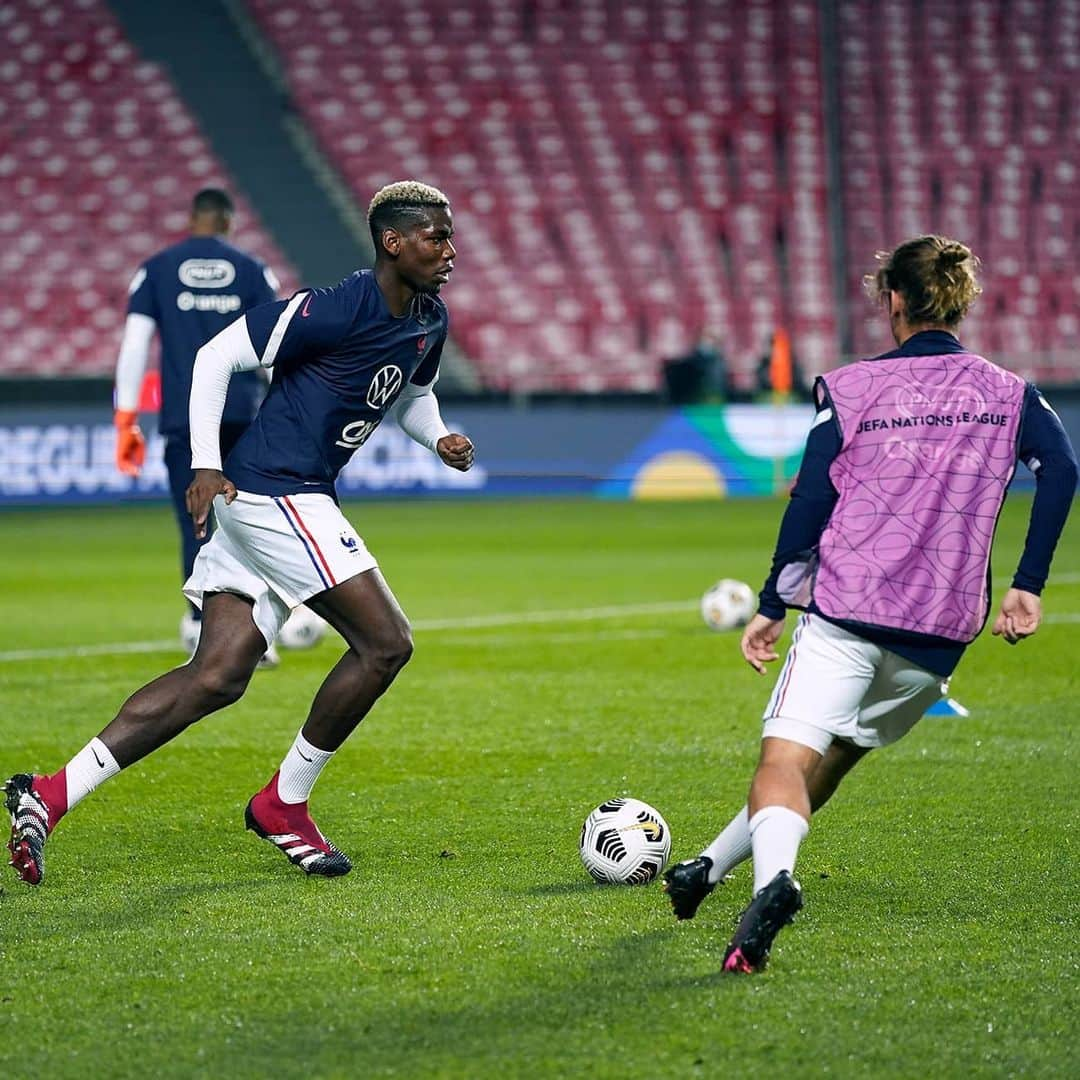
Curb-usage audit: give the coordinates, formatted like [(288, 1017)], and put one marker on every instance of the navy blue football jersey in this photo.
[(340, 360), (193, 290)]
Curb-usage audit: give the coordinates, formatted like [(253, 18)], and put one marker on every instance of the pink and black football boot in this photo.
[(765, 916)]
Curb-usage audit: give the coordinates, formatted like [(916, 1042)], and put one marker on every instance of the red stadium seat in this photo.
[(99, 160), (1000, 176)]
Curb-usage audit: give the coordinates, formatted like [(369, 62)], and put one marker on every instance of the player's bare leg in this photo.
[(841, 757), (229, 649), (783, 776), (366, 614)]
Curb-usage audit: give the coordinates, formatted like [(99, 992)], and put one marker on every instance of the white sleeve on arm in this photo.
[(131, 364), (417, 412), (215, 362)]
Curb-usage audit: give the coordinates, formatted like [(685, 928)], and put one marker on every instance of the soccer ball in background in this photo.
[(729, 603), (625, 842), (190, 629), (302, 629)]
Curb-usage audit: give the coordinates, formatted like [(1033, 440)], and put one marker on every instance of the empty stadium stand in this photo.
[(963, 117), (626, 176), (98, 161)]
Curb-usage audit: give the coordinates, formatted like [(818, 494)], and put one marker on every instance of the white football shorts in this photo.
[(278, 550), (837, 685)]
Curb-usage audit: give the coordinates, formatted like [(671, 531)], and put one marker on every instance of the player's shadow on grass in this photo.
[(659, 953), (427, 1033), (142, 907), (561, 888), (647, 950)]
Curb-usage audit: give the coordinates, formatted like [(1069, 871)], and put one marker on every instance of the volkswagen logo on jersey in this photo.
[(206, 273), (385, 383)]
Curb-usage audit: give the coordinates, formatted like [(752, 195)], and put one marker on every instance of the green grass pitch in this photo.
[(939, 934)]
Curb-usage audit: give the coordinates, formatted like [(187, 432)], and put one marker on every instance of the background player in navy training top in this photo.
[(342, 357), (187, 293)]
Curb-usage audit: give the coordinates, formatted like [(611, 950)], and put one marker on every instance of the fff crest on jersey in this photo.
[(385, 383)]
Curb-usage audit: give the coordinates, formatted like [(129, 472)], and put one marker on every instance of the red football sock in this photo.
[(53, 789)]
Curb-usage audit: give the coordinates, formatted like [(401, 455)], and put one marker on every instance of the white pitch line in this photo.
[(113, 649), (568, 637), (463, 622), (519, 618)]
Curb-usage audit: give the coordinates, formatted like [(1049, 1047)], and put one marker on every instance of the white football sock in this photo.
[(92, 765), (300, 770), (730, 848), (775, 834)]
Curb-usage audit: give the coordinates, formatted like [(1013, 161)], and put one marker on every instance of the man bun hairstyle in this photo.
[(936, 277), (400, 205)]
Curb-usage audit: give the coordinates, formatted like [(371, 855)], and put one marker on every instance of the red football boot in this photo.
[(288, 826), (32, 819)]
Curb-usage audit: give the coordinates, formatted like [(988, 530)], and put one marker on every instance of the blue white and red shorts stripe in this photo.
[(837, 685), (279, 551)]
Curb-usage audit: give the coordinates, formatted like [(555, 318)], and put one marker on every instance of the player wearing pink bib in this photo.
[(885, 548)]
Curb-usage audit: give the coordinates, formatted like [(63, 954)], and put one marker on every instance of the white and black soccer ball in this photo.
[(625, 842), (302, 630), (728, 604)]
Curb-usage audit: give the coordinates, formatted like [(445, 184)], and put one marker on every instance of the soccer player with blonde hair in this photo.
[(885, 548), (342, 358)]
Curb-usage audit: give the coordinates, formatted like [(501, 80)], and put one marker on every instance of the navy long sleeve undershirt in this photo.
[(1043, 446), (1046, 450), (812, 500)]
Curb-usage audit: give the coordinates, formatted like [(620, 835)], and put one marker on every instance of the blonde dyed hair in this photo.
[(407, 193), (936, 276)]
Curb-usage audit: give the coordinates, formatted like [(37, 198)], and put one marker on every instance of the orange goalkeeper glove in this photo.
[(130, 444)]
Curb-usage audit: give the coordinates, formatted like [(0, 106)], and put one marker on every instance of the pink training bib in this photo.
[(929, 448)]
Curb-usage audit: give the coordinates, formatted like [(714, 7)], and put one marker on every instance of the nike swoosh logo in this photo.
[(649, 827), (101, 764), (304, 756), (304, 310)]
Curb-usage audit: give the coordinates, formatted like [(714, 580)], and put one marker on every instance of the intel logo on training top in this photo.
[(207, 273)]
